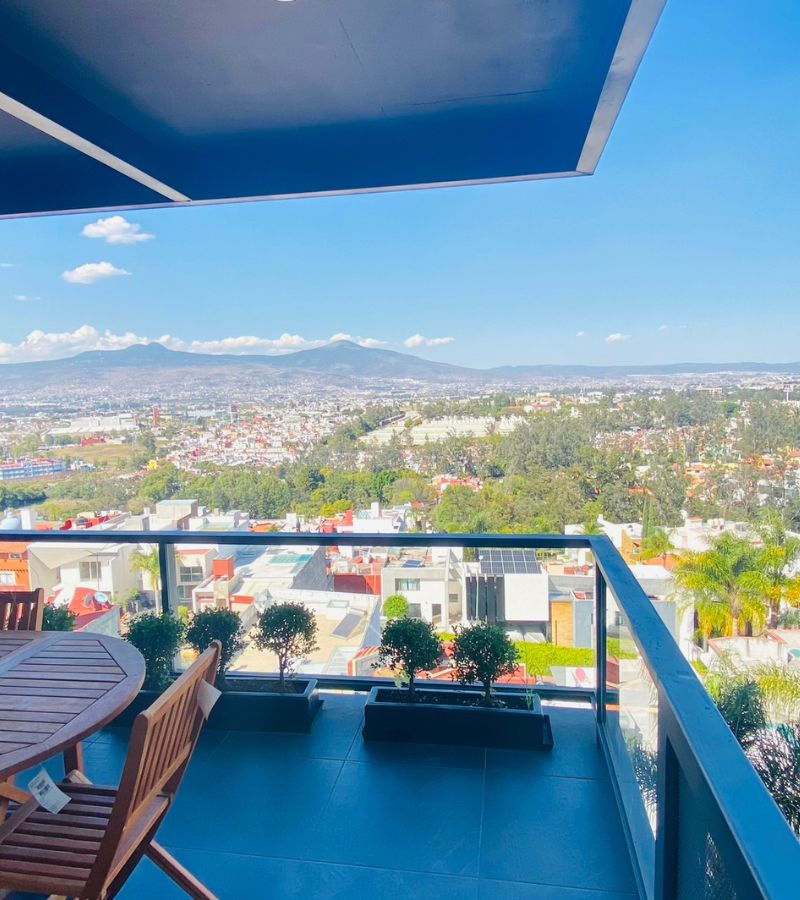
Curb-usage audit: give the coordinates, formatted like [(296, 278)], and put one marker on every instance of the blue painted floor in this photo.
[(330, 817)]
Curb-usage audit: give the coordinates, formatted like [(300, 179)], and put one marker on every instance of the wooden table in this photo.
[(57, 688)]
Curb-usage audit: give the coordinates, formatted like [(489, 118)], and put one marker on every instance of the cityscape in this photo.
[(399, 450)]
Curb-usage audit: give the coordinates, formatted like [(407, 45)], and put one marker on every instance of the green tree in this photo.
[(221, 625), (158, 638), (777, 559), (483, 653), (728, 585), (289, 630), (395, 607), (461, 510), (148, 563), (57, 618), (656, 545), (409, 646)]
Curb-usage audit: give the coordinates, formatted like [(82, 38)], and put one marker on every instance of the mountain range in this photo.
[(339, 361)]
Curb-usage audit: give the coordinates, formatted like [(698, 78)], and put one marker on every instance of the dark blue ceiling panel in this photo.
[(204, 101)]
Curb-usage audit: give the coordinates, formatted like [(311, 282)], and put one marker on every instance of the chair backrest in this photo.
[(163, 739), (21, 610)]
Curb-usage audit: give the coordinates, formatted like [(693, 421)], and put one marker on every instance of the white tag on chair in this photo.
[(207, 696), (47, 794)]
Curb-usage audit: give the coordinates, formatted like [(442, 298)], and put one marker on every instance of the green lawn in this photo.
[(538, 658), (99, 454)]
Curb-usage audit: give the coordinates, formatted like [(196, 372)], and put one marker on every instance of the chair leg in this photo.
[(73, 758), (180, 875), (9, 792)]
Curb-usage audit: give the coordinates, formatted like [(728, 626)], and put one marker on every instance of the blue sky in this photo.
[(683, 245)]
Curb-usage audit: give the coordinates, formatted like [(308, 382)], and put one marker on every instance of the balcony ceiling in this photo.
[(115, 105)]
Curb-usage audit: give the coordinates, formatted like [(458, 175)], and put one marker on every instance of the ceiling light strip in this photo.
[(65, 136)]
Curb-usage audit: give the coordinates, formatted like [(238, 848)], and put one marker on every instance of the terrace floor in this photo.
[(327, 816)]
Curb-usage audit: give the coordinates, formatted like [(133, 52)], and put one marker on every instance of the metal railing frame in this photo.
[(761, 853)]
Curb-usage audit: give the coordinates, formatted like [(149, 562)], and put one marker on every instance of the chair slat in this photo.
[(21, 610)]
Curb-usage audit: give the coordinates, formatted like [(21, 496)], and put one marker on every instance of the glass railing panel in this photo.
[(632, 735), (347, 590)]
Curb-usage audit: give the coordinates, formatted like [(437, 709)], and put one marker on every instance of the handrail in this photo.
[(770, 849), (767, 845), (406, 539)]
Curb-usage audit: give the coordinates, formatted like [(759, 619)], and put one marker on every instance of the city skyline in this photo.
[(665, 255)]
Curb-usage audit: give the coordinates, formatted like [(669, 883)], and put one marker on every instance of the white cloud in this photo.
[(8, 265), (418, 340), (286, 343), (580, 334), (23, 298), (116, 230), (41, 345), (362, 342), (242, 345), (88, 273), (663, 327), (617, 338), (51, 345)]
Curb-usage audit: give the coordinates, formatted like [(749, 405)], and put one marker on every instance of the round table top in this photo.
[(57, 688)]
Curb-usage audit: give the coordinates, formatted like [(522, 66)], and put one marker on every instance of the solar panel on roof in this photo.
[(508, 562)]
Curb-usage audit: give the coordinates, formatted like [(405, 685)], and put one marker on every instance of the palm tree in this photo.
[(148, 563), (778, 556), (656, 544), (728, 584)]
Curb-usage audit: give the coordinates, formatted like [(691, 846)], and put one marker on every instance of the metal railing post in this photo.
[(667, 816), (600, 641), (166, 564)]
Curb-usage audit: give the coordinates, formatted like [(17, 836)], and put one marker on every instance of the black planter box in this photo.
[(248, 710), (441, 722)]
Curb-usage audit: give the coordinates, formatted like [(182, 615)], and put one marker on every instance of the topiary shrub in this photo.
[(57, 618), (409, 646), (158, 638), (483, 653), (395, 607), (289, 630), (221, 625)]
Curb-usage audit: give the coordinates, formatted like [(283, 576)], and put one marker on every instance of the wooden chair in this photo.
[(21, 610), (90, 848)]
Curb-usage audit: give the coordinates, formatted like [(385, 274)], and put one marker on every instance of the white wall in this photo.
[(527, 598)]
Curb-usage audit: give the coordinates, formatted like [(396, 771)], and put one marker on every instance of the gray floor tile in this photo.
[(334, 731), (413, 754), (559, 831), (515, 890), (330, 817), (235, 877), (250, 802), (576, 753), (421, 817)]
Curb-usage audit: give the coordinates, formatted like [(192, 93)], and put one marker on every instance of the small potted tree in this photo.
[(486, 718), (57, 618), (483, 654), (289, 630), (221, 625), (266, 703), (158, 638), (409, 646)]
